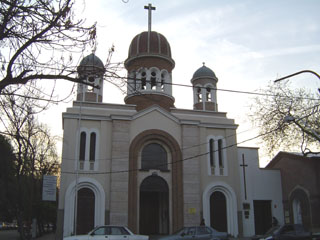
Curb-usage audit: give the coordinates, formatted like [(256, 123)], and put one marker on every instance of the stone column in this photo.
[(119, 177), (191, 178)]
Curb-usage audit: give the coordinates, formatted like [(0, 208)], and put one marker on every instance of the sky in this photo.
[(247, 43)]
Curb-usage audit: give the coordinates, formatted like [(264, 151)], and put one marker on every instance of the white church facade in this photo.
[(148, 165)]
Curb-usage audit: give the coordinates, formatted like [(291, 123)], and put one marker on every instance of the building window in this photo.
[(217, 156), (220, 153), (88, 150), (153, 80), (154, 156), (82, 154), (163, 80), (211, 152), (199, 95), (93, 146), (143, 80), (208, 94), (91, 80)]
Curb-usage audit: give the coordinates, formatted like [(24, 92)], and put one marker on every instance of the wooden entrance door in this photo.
[(85, 210), (154, 206), (218, 211)]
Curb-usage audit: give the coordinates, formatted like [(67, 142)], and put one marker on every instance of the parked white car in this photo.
[(109, 233)]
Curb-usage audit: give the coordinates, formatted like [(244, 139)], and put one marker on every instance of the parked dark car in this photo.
[(287, 231), (197, 233)]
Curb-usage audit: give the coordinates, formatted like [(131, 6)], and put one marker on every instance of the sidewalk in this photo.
[(49, 236)]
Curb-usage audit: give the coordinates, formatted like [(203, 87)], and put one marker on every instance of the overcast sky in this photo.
[(246, 43)]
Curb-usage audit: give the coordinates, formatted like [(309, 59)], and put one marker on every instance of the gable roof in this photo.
[(282, 155)]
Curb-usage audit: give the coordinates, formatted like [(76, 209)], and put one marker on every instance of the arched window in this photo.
[(88, 149), (199, 94), (163, 80), (82, 153), (91, 80), (92, 146), (154, 156), (208, 94), (220, 153), (153, 80), (217, 156), (143, 80), (211, 152)]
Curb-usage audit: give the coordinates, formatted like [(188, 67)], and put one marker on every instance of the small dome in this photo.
[(204, 72), (158, 46), (91, 63)]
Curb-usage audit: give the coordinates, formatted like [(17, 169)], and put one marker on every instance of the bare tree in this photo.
[(35, 37), (7, 180), (33, 146), (290, 117)]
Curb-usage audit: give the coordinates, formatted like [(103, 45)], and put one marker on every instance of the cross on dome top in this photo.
[(150, 8)]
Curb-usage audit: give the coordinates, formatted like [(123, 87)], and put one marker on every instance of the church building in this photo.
[(146, 164)]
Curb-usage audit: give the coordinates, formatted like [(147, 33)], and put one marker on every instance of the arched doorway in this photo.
[(297, 214), (173, 176), (85, 210), (231, 205), (218, 211), (300, 207), (154, 206), (70, 206)]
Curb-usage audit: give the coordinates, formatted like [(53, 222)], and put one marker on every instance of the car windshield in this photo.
[(183, 230), (178, 232), (273, 230)]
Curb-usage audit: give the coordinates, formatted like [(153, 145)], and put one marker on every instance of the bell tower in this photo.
[(149, 65), (204, 82), (90, 70)]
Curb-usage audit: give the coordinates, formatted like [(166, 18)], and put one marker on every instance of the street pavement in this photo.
[(14, 235), (9, 235)]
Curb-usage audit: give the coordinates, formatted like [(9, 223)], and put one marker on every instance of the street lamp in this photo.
[(289, 118), (294, 74), (297, 73)]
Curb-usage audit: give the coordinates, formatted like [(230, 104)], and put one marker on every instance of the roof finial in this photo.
[(203, 63), (150, 8)]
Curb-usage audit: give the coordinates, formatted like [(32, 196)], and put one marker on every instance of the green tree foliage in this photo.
[(288, 120)]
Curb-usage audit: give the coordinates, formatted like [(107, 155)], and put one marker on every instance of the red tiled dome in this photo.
[(158, 46)]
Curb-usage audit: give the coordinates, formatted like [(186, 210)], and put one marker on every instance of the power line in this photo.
[(185, 148), (173, 84), (173, 162), (188, 158)]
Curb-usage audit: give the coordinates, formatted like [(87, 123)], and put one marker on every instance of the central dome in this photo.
[(144, 45)]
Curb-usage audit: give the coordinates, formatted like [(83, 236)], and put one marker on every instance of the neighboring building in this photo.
[(147, 164), (300, 177), (261, 193)]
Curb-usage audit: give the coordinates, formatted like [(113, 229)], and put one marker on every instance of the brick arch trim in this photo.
[(177, 184)]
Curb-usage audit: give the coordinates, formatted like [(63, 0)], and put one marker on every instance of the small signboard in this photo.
[(49, 188), (192, 211)]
